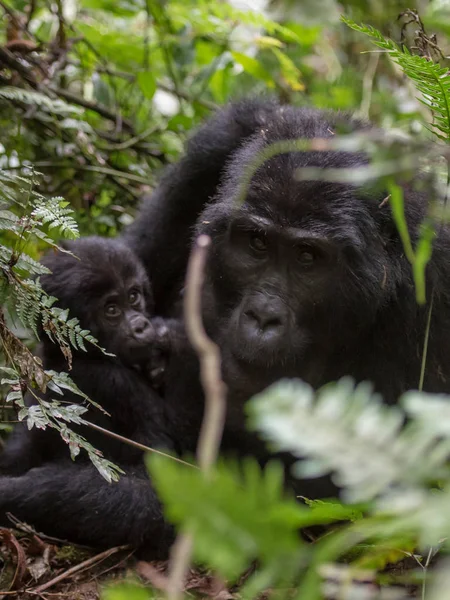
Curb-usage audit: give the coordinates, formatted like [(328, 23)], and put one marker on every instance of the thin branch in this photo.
[(180, 558), (80, 567), (7, 58), (162, 86), (15, 18), (210, 359), (130, 442), (48, 164), (30, 13), (215, 401), (94, 106), (367, 86), (25, 528), (132, 141)]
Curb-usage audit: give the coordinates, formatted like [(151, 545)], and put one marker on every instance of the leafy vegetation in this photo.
[(26, 215), (98, 97)]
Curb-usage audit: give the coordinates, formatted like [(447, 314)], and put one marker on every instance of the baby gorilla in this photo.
[(104, 285)]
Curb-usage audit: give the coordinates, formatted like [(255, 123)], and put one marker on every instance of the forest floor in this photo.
[(35, 566)]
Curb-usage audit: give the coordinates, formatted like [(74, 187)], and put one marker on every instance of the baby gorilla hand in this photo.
[(169, 337)]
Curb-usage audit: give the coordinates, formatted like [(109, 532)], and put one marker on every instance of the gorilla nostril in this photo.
[(264, 322), (140, 326), (251, 316), (270, 323)]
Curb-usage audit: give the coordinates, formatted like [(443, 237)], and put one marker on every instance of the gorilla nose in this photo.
[(264, 318), (142, 329)]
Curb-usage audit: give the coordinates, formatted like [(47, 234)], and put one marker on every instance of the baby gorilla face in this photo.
[(105, 286), (124, 327)]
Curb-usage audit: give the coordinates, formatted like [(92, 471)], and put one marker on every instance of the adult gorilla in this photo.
[(305, 278)]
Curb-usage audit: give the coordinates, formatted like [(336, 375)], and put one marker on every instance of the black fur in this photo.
[(105, 274), (305, 279)]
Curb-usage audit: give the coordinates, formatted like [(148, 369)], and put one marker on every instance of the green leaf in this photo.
[(235, 514), (398, 212), (253, 67), (290, 72), (423, 254), (206, 52), (147, 83), (219, 84), (13, 396), (326, 511), (128, 591)]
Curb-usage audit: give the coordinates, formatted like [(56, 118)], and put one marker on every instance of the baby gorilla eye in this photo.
[(134, 296), (258, 242), (112, 310)]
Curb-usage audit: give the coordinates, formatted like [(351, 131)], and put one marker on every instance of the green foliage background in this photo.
[(112, 89)]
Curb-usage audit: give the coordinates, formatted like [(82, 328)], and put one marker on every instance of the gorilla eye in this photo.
[(306, 257), (258, 242), (134, 296), (112, 310)]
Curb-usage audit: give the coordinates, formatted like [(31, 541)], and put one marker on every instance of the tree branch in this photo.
[(94, 106)]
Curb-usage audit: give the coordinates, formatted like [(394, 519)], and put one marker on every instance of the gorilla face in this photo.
[(297, 273), (105, 286)]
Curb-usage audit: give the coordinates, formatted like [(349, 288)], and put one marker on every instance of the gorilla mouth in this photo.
[(281, 355), (134, 351), (258, 355)]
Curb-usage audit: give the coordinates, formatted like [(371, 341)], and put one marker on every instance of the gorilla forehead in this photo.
[(278, 190), (276, 195), (98, 265)]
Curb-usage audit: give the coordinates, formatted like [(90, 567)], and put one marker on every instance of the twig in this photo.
[(210, 359), (48, 164), (80, 567), (30, 12), (113, 567), (7, 58), (25, 528), (94, 106), (367, 85), (186, 96), (215, 401), (142, 447), (162, 86), (133, 140), (13, 16), (180, 558)]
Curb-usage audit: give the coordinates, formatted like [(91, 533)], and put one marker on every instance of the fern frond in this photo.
[(432, 80), (29, 266), (27, 304), (52, 105), (347, 430), (8, 221), (55, 212)]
